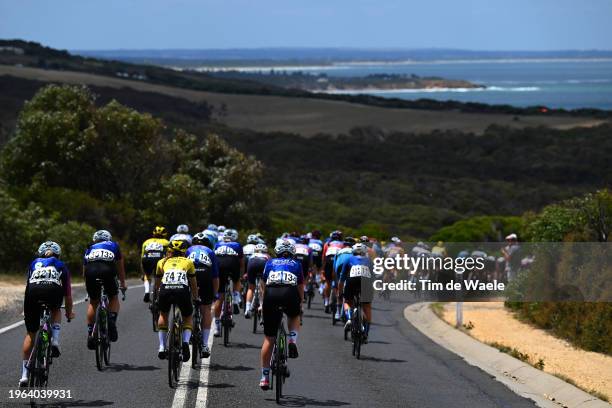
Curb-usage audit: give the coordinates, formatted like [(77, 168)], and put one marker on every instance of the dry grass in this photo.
[(309, 116), (493, 324)]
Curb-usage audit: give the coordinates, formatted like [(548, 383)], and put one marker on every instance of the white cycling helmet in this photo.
[(102, 235), (49, 246), (360, 249), (261, 249), (252, 239), (284, 247), (182, 229), (221, 228), (230, 235), (396, 240)]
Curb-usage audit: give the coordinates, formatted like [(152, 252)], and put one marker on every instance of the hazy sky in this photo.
[(470, 24)]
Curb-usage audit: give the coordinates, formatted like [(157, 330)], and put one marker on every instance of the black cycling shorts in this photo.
[(329, 268), (179, 295), (359, 285), (104, 271), (149, 265), (48, 293), (255, 268), (228, 266), (317, 260), (287, 297), (205, 286)]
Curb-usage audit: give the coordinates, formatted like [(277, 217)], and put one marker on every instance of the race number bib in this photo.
[(281, 278), (359, 271), (100, 254), (200, 258), (225, 251), (315, 247), (332, 251), (301, 250), (175, 277), (47, 274)]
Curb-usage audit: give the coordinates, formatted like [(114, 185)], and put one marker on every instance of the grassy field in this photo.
[(309, 117)]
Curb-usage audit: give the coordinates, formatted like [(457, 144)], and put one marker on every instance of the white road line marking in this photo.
[(180, 395), (201, 399), (21, 322)]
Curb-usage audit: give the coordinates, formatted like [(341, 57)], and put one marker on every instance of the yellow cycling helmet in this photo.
[(159, 232), (178, 247)]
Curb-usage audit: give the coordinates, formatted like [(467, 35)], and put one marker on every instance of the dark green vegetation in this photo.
[(31, 54), (72, 166), (323, 82)]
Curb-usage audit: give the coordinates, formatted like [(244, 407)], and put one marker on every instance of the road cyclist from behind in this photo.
[(176, 284), (283, 283), (330, 249), (153, 250), (356, 279), (207, 276), (341, 258), (212, 234), (102, 264), (231, 264), (249, 247), (48, 282), (316, 245), (255, 268)]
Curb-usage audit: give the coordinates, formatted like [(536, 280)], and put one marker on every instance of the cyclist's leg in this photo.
[(251, 278), (111, 287), (206, 293), (148, 269), (235, 275), (31, 311), (367, 295), (186, 307), (328, 273), (293, 308), (219, 302), (272, 318), (164, 302)]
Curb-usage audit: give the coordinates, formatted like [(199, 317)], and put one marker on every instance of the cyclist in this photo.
[(284, 287), (212, 233), (220, 232), (153, 249), (175, 283), (342, 256), (207, 277), (303, 253), (255, 268), (248, 249), (356, 278), (439, 249), (316, 245), (48, 281), (103, 262), (231, 263), (330, 249), (182, 234)]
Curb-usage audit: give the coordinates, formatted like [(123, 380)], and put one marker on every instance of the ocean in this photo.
[(558, 83)]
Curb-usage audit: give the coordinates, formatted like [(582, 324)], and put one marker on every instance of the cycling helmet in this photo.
[(182, 229), (221, 228), (178, 247), (336, 236), (360, 249), (349, 241), (252, 239), (396, 240), (49, 248), (212, 227), (230, 235), (102, 235), (364, 239), (261, 249), (201, 239), (260, 238), (159, 232), (284, 247)]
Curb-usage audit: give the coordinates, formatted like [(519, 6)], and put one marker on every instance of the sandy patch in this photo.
[(10, 294), (493, 323)]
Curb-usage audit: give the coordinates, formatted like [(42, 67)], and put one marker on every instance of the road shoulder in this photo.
[(544, 389)]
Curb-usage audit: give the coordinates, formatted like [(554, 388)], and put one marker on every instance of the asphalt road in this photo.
[(399, 368)]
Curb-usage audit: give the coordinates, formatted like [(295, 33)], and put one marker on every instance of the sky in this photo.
[(158, 24)]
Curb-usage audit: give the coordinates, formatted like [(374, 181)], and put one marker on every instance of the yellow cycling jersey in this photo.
[(154, 248), (175, 270)]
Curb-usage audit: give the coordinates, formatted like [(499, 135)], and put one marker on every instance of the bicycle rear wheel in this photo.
[(98, 338), (170, 347), (178, 324), (196, 339), (106, 344)]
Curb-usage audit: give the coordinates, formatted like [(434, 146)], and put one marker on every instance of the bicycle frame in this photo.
[(40, 356), (227, 311), (278, 362)]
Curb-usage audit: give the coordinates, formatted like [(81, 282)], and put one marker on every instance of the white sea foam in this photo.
[(430, 90)]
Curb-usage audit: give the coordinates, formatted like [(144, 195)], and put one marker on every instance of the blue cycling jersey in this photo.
[(106, 251), (357, 266), (203, 259), (212, 236), (341, 258), (283, 271), (317, 247), (228, 249), (49, 271)]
